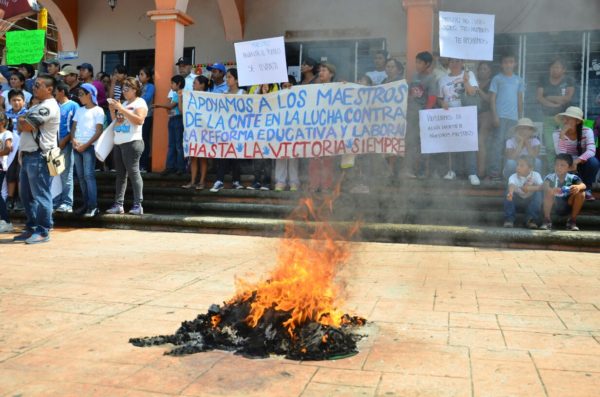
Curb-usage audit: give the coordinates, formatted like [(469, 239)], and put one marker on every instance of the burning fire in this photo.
[(303, 281)]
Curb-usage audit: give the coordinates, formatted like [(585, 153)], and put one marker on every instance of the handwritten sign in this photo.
[(25, 46), (307, 121), (452, 130), (261, 61), (467, 36)]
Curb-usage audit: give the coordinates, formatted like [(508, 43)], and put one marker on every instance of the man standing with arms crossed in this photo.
[(39, 130)]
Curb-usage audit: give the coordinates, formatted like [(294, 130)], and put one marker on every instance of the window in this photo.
[(134, 60)]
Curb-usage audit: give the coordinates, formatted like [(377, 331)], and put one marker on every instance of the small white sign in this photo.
[(467, 36), (261, 61), (452, 130)]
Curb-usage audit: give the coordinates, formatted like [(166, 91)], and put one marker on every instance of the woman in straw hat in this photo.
[(578, 141), (523, 142)]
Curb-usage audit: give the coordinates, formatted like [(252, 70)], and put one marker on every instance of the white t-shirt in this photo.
[(452, 87), (533, 179), (4, 136), (7, 104), (124, 130), (512, 144), (87, 120), (377, 76)]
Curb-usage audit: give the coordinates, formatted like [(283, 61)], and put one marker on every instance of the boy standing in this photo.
[(524, 190), (5, 149), (563, 192), (506, 103), (17, 101), (64, 201)]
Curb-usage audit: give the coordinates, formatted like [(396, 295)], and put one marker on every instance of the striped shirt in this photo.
[(569, 146)]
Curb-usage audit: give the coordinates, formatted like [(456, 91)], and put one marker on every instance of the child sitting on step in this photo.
[(563, 192), (525, 191)]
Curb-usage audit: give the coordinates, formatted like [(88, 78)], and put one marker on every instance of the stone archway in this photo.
[(64, 13)]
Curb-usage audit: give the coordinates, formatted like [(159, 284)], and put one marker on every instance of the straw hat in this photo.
[(524, 123), (572, 111)]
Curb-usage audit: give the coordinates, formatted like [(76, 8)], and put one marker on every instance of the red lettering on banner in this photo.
[(230, 150), (257, 151), (299, 149), (317, 145), (340, 147), (213, 151), (327, 149)]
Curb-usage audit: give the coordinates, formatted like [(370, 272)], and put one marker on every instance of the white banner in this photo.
[(261, 61), (452, 130), (467, 36), (307, 121)]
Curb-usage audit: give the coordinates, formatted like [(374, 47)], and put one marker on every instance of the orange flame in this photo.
[(303, 281)]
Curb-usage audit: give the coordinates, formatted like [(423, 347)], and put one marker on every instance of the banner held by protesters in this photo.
[(309, 121)]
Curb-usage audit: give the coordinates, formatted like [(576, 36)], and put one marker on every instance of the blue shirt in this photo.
[(507, 90), (220, 89), (174, 97), (67, 111)]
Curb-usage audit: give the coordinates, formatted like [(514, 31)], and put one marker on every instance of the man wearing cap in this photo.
[(185, 69), (217, 75), (86, 75), (53, 68), (39, 130), (70, 76)]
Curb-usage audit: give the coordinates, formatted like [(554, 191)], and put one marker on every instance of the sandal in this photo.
[(200, 186), (188, 186)]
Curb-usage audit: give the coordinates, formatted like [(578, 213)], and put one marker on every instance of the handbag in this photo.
[(55, 160)]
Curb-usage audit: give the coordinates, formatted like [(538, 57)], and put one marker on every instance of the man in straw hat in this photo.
[(578, 141)]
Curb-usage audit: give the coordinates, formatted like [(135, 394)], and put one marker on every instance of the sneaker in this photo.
[(143, 171), (200, 186), (450, 175), (509, 224), (18, 206), (546, 225), (571, 225), (115, 209), (294, 188), (21, 238), (5, 227), (408, 175), (66, 209), (91, 213), (265, 187), (531, 224), (474, 180), (360, 188), (37, 238), (10, 204), (254, 186), (189, 185), (279, 187), (589, 196), (217, 186), (236, 185), (137, 209)]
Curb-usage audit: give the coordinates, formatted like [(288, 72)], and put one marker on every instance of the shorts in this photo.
[(12, 174), (561, 206)]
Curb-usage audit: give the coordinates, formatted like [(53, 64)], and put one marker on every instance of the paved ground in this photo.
[(446, 321)]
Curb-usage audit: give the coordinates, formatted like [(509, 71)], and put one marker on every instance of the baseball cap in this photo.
[(218, 66), (69, 69), (90, 89), (183, 61), (52, 61), (87, 66)]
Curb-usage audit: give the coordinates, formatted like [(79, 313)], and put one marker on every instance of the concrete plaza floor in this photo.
[(444, 321)]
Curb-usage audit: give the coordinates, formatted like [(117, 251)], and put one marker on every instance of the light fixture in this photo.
[(112, 4)]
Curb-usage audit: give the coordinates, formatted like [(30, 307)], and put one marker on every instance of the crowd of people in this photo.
[(88, 104)]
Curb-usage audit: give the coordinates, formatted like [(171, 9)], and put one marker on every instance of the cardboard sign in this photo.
[(467, 36), (25, 46), (261, 61), (306, 121), (452, 130)]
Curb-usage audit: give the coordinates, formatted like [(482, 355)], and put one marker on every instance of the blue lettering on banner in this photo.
[(309, 121)]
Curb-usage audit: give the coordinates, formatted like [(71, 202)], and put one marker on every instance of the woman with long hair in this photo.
[(201, 83)]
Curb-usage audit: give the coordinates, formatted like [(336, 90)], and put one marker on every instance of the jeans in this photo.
[(66, 178), (147, 137), (34, 188), (262, 171), (85, 164), (175, 160), (223, 164), (588, 171), (127, 161), (287, 169), (510, 167), (3, 211), (533, 205), (498, 145)]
